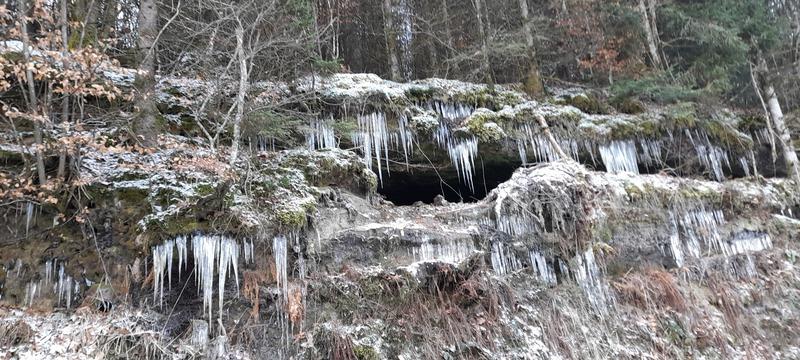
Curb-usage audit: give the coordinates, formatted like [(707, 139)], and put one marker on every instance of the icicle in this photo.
[(504, 260), (620, 156), (675, 245), (462, 154), (745, 165), (228, 257), (279, 251), (321, 135), (747, 242), (162, 263), (452, 252), (651, 152), (180, 244), (406, 137), (451, 111), (248, 249), (29, 212), (373, 138), (541, 268), (712, 158), (591, 281), (205, 249)]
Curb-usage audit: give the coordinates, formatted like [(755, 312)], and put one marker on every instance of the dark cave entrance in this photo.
[(423, 184)]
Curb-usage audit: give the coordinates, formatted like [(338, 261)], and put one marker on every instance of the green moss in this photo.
[(682, 115), (363, 352), (420, 94), (291, 219), (727, 134), (628, 105), (589, 104), (482, 125)]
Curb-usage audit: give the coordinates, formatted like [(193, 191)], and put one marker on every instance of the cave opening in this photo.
[(423, 184)]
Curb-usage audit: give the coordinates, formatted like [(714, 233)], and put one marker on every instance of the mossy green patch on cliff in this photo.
[(589, 103)]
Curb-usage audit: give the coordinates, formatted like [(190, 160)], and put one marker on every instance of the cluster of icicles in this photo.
[(54, 283), (212, 254), (624, 155), (376, 139), (695, 232), (697, 229)]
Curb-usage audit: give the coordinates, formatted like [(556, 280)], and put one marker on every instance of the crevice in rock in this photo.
[(423, 184)]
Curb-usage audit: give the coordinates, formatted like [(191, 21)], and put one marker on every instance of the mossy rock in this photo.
[(682, 115), (629, 106), (589, 103), (482, 125)]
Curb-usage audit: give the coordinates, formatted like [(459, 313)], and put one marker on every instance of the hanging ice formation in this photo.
[(321, 135), (280, 252), (541, 268), (452, 252), (462, 153), (711, 156), (619, 156), (746, 242), (62, 288), (211, 254), (591, 281), (540, 147), (450, 111), (504, 259), (373, 139)]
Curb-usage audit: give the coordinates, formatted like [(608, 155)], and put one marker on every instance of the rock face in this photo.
[(659, 238)]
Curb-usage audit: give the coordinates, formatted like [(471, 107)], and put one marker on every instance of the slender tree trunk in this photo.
[(34, 102), (448, 33), (145, 125), (240, 97), (485, 66), (62, 156), (650, 32), (533, 79), (778, 124), (391, 41), (789, 154)]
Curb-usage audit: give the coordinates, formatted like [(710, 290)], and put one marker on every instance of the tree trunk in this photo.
[(391, 41), (778, 123), (448, 33), (62, 156), (789, 154), (240, 97), (533, 79), (32, 97), (650, 32), (485, 66), (145, 125)]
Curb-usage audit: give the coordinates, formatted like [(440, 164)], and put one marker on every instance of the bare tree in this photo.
[(145, 125), (36, 114)]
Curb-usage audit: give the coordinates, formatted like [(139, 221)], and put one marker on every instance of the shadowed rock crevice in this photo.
[(424, 183)]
